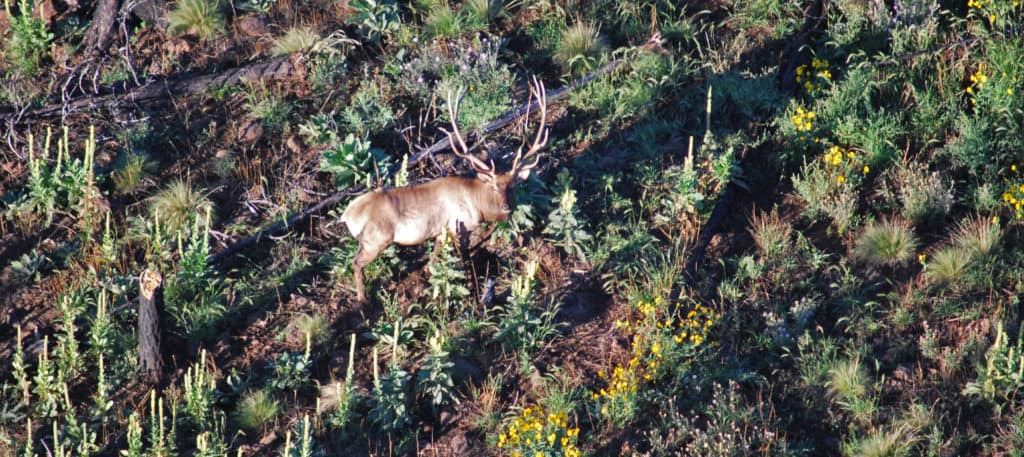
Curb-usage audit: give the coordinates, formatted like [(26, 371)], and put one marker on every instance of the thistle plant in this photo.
[(47, 384), (200, 394), (388, 408), (564, 226), (1002, 374), (522, 329), (434, 379), (69, 360), (447, 281), (194, 295)]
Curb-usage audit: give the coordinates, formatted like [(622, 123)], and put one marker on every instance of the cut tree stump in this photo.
[(151, 304)]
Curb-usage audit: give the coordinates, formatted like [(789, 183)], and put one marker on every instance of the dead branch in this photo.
[(278, 68)]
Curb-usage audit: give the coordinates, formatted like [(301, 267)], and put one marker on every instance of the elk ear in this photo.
[(523, 174), (485, 177)]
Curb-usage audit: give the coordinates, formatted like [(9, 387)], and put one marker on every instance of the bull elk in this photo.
[(410, 215)]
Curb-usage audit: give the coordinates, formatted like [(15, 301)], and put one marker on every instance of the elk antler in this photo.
[(455, 134), (536, 89)]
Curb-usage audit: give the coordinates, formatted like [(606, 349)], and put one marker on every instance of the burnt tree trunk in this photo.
[(151, 299)]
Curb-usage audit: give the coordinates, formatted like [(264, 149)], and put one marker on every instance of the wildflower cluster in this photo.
[(536, 433), (844, 163), (978, 80), (1014, 194), (995, 10), (803, 120), (657, 341), (809, 78)]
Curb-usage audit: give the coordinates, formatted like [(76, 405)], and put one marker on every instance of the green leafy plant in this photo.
[(521, 329), (1002, 374), (434, 378), (564, 225), (30, 41), (447, 281), (291, 371), (388, 400), (376, 19), (194, 295), (200, 394), (353, 161)]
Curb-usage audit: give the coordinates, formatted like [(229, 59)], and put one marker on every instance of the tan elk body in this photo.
[(411, 215)]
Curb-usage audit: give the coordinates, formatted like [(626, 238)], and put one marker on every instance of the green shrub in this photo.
[(353, 161), (924, 197), (367, 112), (177, 205), (947, 265), (202, 18), (30, 41), (442, 21), (296, 39), (256, 410), (376, 18), (470, 66), (580, 48), (889, 242), (978, 235)]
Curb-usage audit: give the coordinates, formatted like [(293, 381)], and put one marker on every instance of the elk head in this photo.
[(498, 187)]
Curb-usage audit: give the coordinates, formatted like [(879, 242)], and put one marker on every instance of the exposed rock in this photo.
[(252, 25), (250, 131)]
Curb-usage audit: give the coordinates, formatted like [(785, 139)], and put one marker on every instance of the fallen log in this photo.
[(275, 69)]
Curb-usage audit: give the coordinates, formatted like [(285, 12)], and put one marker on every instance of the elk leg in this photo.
[(364, 256)]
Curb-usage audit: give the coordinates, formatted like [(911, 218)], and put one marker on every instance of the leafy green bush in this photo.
[(353, 161), (368, 112), (1002, 375), (376, 19), (30, 41), (468, 65)]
